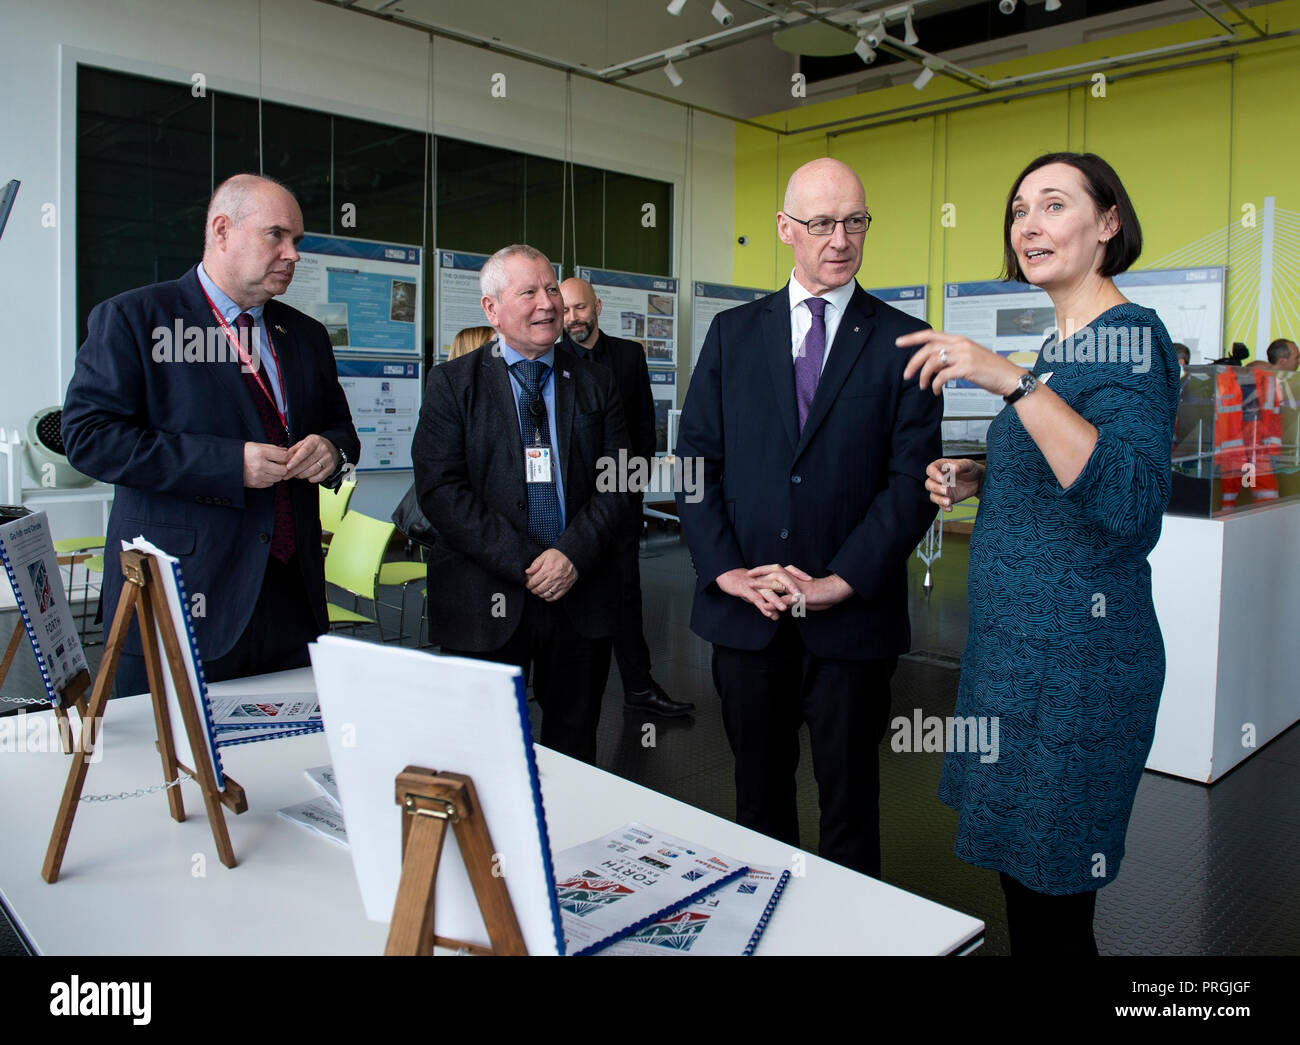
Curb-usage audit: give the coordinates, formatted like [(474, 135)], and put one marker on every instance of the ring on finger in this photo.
[(943, 356)]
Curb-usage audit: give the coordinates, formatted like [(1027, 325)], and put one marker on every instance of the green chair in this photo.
[(333, 506), (72, 547), (402, 575), (356, 555)]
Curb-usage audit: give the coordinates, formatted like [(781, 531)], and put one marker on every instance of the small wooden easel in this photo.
[(142, 595), (73, 695), (430, 801)]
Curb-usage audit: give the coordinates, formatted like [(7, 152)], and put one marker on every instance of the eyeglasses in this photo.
[(826, 226)]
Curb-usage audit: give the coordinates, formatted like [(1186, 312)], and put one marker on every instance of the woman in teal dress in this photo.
[(1063, 649)]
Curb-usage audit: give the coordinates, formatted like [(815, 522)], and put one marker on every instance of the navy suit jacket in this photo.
[(171, 435), (845, 496), (469, 475)]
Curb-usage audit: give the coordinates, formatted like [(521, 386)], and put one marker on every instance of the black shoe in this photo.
[(657, 702)]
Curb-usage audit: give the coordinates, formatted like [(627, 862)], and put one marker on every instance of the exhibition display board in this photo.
[(639, 308)]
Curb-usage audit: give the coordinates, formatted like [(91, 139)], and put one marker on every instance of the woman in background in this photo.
[(469, 339), (1064, 650)]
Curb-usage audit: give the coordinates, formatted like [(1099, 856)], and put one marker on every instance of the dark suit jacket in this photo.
[(632, 376), (469, 473), (171, 436), (845, 496)]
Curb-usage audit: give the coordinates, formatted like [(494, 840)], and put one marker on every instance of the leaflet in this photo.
[(728, 921), (325, 782), (320, 817), (628, 879)]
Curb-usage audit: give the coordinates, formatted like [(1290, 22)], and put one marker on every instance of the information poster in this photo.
[(640, 308), (460, 301), (707, 300), (906, 299), (1015, 318), (369, 296), (1189, 303), (384, 396)]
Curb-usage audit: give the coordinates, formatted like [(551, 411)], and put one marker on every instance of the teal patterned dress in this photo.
[(1064, 648)]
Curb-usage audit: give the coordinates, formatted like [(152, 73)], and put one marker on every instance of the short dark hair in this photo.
[(1279, 348), (1106, 190), (1182, 351)]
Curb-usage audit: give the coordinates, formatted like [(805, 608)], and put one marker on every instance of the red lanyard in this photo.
[(247, 361)]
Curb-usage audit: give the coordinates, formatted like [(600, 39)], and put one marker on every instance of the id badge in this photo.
[(537, 464)]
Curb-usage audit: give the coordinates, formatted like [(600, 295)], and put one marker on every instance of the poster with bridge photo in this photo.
[(639, 308)]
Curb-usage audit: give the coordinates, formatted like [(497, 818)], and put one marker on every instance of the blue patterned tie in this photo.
[(543, 504), (808, 363)]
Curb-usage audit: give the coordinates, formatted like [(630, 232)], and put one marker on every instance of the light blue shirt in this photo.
[(548, 397), (229, 312)]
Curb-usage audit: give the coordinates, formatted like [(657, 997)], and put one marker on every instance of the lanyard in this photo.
[(256, 371)]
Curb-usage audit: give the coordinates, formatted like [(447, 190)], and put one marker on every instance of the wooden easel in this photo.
[(430, 801), (142, 596)]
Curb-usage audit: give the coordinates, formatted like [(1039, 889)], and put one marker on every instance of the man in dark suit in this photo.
[(814, 452), (626, 360), (216, 410), (511, 442)]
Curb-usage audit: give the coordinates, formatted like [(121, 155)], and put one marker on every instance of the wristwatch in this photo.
[(1024, 386)]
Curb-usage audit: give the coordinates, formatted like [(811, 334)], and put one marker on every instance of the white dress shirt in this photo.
[(837, 301)]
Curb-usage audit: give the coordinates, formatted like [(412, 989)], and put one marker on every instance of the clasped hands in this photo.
[(313, 458), (773, 589), (551, 575)]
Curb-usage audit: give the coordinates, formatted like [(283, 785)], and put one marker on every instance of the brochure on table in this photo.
[(628, 879), (458, 295), (707, 300), (369, 295), (639, 308), (384, 396), (1014, 319), (27, 552)]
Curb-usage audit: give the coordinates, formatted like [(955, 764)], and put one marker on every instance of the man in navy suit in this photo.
[(814, 452), (216, 410), (512, 442)]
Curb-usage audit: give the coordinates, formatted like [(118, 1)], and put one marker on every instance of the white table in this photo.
[(136, 882)]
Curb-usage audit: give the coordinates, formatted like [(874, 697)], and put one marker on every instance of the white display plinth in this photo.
[(1227, 593)]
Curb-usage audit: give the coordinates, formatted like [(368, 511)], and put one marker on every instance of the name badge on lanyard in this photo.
[(537, 464)]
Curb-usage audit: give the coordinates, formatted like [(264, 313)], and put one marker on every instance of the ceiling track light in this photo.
[(1006, 6), (1052, 5), (721, 15), (865, 51), (670, 71), (923, 78), (675, 6), (909, 30)]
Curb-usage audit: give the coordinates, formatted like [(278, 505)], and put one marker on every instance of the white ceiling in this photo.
[(743, 79)]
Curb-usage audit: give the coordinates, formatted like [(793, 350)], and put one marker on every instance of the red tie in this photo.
[(283, 541)]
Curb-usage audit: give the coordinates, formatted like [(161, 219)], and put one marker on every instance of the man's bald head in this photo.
[(818, 174), (828, 189), (251, 237), (581, 311)]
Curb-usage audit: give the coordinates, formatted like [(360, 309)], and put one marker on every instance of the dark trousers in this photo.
[(766, 694), (275, 639), (569, 675), (630, 649), (1042, 924)]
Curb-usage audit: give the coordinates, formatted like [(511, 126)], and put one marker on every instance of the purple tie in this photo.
[(808, 363), (284, 541)]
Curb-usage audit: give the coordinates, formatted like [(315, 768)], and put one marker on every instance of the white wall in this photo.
[(317, 56)]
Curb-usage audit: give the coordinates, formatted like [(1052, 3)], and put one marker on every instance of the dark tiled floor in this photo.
[(1208, 870)]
